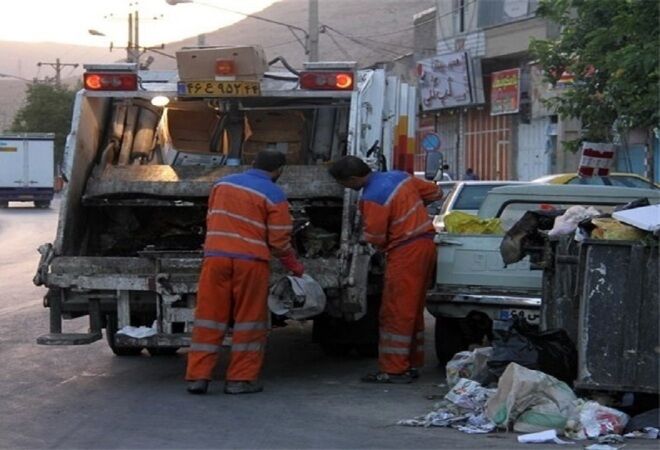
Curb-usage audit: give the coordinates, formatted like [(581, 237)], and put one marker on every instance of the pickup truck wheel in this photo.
[(162, 351), (110, 331), (448, 338)]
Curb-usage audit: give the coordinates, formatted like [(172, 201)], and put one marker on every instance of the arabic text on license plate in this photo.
[(532, 317), (219, 88)]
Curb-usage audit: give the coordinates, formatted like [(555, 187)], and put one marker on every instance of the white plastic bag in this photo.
[(297, 298), (591, 419), (568, 222), (467, 364)]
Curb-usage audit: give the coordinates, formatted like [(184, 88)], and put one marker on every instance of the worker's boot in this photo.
[(242, 387), (198, 386)]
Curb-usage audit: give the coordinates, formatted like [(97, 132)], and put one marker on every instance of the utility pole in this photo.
[(313, 28), (58, 66)]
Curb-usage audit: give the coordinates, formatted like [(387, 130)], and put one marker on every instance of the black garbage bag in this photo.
[(640, 202), (524, 236), (551, 351)]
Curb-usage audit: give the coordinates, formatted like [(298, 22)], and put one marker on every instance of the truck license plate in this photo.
[(532, 317), (210, 88)]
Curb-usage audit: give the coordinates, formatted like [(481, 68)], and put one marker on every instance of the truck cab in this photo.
[(144, 151), (473, 285)]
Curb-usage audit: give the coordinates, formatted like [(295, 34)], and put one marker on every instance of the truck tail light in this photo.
[(109, 81), (224, 67), (327, 81)]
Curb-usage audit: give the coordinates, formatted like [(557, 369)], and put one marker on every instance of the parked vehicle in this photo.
[(435, 207), (631, 180), (466, 196), (26, 168), (132, 222), (473, 286)]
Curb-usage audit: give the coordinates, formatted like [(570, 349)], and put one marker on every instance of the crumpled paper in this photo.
[(541, 437), (462, 408)]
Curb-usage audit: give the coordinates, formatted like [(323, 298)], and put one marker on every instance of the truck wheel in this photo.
[(162, 351), (110, 331), (448, 338), (43, 204)]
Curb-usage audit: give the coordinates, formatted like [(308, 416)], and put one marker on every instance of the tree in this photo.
[(47, 109), (610, 47)]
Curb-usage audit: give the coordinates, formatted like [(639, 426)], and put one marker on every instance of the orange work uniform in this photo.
[(396, 221), (248, 219)]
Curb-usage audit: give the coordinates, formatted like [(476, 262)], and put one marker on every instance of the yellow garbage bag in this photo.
[(458, 222), (613, 230)]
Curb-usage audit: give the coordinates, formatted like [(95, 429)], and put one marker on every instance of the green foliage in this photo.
[(611, 48), (47, 109)]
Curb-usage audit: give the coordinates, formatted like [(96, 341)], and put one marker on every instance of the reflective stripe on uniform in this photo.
[(238, 217), (425, 225), (395, 337), (209, 348), (212, 324), (248, 326), (236, 236), (409, 213), (247, 347), (394, 350)]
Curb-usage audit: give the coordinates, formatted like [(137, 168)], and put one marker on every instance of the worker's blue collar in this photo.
[(259, 173)]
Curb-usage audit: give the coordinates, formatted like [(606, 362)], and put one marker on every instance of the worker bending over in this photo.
[(396, 222)]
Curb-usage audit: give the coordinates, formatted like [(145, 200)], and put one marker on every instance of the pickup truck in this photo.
[(473, 286)]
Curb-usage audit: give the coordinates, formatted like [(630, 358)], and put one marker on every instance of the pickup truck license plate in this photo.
[(211, 88), (532, 317)]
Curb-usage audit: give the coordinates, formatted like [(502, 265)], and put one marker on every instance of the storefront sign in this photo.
[(444, 81), (505, 92)]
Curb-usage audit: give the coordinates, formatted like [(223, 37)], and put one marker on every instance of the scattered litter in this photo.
[(467, 364), (591, 419), (530, 400), (568, 222), (600, 447), (646, 218), (611, 439), (646, 433), (138, 332), (541, 437), (462, 408), (468, 394)]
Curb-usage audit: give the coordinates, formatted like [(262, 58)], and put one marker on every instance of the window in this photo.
[(497, 12), (471, 197)]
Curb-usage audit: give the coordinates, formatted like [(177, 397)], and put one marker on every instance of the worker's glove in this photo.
[(291, 263)]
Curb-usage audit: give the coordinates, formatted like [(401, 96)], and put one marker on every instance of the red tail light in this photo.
[(327, 81), (109, 81)]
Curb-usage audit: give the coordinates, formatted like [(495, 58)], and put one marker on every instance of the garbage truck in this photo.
[(144, 151)]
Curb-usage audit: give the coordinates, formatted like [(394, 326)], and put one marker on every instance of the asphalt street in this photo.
[(87, 398)]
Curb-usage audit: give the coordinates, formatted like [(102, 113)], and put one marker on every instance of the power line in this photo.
[(339, 46), (358, 41)]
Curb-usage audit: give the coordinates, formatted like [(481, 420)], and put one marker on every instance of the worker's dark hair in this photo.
[(269, 160), (349, 166)]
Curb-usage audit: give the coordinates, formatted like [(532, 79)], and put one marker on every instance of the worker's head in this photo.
[(350, 172), (270, 161)]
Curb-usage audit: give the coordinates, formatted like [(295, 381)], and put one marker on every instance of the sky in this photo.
[(68, 21)]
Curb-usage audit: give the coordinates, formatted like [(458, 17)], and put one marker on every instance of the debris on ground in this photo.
[(542, 437), (466, 364), (462, 408), (591, 419), (600, 447), (530, 400), (646, 433)]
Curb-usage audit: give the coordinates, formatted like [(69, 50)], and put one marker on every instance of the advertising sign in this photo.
[(505, 92), (444, 81)]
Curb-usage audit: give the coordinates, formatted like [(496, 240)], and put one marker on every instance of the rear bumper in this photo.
[(26, 194), (495, 307)]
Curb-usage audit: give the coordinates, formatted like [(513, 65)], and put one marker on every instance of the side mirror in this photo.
[(434, 162)]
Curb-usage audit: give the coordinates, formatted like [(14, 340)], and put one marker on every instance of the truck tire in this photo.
[(110, 331), (43, 204), (448, 338)]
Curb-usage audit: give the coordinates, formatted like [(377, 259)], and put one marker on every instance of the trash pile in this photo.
[(527, 401)]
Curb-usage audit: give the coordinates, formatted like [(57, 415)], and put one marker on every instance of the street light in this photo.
[(305, 43)]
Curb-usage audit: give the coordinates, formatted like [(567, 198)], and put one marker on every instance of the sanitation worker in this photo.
[(396, 222), (248, 220)]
